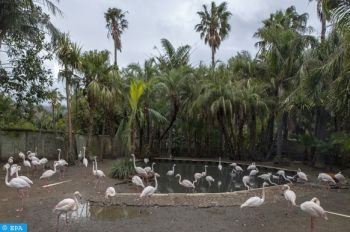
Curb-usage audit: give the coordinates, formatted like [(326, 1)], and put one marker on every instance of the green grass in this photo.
[(122, 169)]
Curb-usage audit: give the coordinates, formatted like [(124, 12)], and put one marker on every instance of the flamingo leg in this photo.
[(58, 220), (312, 225)]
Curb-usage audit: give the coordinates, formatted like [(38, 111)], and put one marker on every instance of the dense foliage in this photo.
[(296, 88)]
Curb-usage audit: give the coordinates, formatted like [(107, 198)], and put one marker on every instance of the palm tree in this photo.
[(283, 41), (341, 14), (214, 26), (68, 54), (116, 24)]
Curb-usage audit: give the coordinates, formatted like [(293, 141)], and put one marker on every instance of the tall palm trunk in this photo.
[(115, 56), (212, 57), (281, 127), (252, 132), (69, 120)]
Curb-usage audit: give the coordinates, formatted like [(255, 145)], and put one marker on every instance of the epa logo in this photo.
[(4, 228), (13, 228)]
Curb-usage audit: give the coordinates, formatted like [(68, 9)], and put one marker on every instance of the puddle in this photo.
[(107, 213)]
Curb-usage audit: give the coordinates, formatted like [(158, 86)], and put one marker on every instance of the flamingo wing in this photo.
[(66, 205), (252, 202)]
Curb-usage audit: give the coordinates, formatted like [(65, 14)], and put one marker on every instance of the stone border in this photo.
[(200, 200)]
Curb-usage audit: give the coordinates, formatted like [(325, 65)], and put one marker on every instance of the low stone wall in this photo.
[(273, 194), (13, 141)]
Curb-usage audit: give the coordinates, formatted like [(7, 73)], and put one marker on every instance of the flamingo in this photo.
[(171, 172), (85, 160), (13, 169), (80, 157), (146, 160), (289, 195), (99, 174), (49, 173), (246, 180), (42, 162), (301, 175), (205, 171), (220, 166), (110, 192), (185, 183), (17, 183), (251, 166), (61, 163), (236, 168), (314, 209), (150, 190), (139, 170), (26, 163), (26, 179), (209, 179), (325, 178), (339, 177), (197, 176), (65, 206), (255, 201), (137, 181), (267, 177), (282, 173), (149, 169), (254, 172)]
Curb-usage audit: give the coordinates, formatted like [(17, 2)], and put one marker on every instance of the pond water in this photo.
[(225, 180)]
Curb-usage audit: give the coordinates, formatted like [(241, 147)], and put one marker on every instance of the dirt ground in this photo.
[(272, 217)]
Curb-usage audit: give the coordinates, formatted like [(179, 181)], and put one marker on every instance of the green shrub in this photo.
[(122, 169)]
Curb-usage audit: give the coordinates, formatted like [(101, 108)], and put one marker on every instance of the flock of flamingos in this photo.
[(22, 183)]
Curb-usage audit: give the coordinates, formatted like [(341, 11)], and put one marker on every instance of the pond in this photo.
[(225, 180)]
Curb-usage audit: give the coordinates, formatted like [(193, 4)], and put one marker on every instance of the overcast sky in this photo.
[(151, 20)]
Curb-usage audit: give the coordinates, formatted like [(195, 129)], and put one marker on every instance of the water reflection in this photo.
[(108, 213)]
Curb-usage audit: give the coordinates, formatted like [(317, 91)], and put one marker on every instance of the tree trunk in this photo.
[(212, 57), (252, 132), (69, 121), (115, 56), (282, 124), (240, 139), (323, 29), (173, 118)]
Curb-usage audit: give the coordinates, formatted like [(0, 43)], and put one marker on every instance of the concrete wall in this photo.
[(47, 142)]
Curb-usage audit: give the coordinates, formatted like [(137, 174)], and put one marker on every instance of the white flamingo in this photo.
[(49, 173), (171, 172), (205, 171), (43, 161), (185, 183), (85, 160), (150, 190), (146, 160), (66, 206), (314, 209), (282, 173), (254, 172), (251, 166), (197, 176), (267, 177), (219, 165), (26, 163), (140, 171), (301, 175), (340, 177), (209, 179), (110, 192), (61, 163), (99, 175), (255, 201), (246, 180), (327, 179), (149, 170), (26, 179), (17, 183), (137, 181), (289, 195)]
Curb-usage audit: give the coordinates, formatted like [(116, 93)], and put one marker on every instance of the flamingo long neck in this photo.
[(179, 179), (84, 152), (174, 168), (152, 166), (285, 178), (155, 179), (263, 193), (133, 158), (59, 154), (95, 165), (76, 200), (7, 177), (17, 173), (205, 170), (54, 168)]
